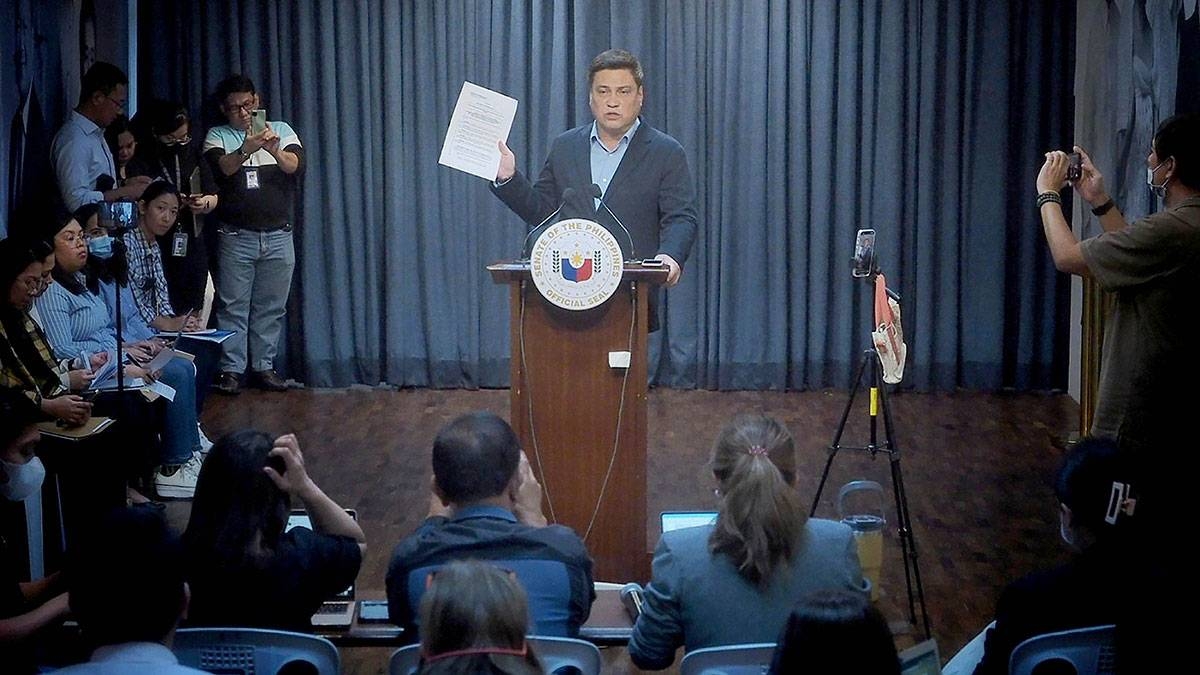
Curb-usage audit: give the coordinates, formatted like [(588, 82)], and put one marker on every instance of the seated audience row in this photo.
[(748, 569)]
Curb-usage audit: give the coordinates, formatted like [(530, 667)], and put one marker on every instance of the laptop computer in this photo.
[(675, 520), (338, 610)]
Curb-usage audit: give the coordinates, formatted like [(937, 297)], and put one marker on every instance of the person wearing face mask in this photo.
[(1097, 505), (1152, 268), (108, 272), (77, 320), (26, 608), (171, 153)]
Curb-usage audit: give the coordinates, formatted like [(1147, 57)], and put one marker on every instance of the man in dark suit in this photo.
[(642, 174)]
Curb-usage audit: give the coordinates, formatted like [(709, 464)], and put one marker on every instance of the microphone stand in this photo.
[(122, 218)]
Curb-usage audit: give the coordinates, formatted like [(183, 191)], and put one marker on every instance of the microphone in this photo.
[(631, 597), (596, 192), (567, 196)]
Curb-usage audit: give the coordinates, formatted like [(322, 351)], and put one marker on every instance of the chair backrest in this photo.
[(553, 652), (750, 659), (1088, 650), (254, 651), (547, 586)]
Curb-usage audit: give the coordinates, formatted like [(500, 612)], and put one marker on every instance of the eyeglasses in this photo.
[(119, 103), (71, 239), (245, 106), (32, 284), (172, 141)]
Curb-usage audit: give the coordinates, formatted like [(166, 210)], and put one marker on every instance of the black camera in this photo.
[(1075, 167)]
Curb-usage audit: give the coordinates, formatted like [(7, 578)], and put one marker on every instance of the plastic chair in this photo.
[(553, 652), (1088, 650), (749, 659), (254, 651)]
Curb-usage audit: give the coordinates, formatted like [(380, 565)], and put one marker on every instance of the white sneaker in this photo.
[(182, 483), (205, 444)]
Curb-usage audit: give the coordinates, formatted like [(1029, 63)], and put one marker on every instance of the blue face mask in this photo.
[(101, 247)]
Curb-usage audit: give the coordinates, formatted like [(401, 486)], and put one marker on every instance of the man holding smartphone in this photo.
[(257, 165)]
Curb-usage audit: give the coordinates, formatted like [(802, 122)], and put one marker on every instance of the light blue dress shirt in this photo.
[(76, 323), (81, 156), (605, 162)]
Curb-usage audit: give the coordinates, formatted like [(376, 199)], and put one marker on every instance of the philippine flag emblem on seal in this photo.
[(578, 268)]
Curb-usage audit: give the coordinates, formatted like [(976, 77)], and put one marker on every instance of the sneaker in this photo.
[(205, 444), (180, 482)]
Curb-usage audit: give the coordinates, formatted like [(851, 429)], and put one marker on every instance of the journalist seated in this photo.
[(487, 505), (245, 567), (735, 581)]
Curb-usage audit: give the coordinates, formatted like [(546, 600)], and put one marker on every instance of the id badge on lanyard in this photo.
[(252, 179), (179, 243)]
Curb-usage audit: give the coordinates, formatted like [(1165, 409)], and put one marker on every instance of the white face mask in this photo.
[(1159, 190), (23, 479)]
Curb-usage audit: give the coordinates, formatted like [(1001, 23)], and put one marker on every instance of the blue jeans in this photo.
[(180, 435), (254, 277)]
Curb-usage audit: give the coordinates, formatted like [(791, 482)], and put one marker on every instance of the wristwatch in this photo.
[(1103, 208)]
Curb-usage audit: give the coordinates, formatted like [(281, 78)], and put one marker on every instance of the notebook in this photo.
[(338, 610), (675, 520)]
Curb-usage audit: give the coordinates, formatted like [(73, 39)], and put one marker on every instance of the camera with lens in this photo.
[(1074, 166)]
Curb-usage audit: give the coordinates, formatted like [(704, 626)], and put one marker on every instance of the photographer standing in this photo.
[(1152, 266)]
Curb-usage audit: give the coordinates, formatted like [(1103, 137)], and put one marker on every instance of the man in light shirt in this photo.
[(83, 164)]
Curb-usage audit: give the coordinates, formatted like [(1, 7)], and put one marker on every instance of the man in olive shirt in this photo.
[(1152, 267)]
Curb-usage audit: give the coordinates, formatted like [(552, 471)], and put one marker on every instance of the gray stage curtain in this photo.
[(803, 121)]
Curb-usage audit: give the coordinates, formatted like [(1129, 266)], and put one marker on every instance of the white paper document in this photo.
[(481, 118)]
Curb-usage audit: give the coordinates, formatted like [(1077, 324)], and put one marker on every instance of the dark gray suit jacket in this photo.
[(652, 193), (698, 599)]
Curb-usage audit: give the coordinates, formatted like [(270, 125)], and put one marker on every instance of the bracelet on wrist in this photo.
[(1104, 208), (1048, 197)]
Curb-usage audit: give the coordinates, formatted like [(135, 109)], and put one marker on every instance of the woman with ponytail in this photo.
[(735, 581)]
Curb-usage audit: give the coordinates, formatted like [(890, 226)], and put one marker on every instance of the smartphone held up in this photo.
[(258, 121), (1074, 166)]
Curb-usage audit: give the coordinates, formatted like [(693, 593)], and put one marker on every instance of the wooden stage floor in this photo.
[(977, 470)]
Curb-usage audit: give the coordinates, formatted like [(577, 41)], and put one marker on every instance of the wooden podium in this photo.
[(566, 407)]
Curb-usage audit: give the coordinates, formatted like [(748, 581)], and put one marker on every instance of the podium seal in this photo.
[(576, 264)]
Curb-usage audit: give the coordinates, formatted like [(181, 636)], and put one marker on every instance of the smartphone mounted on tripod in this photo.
[(864, 254)]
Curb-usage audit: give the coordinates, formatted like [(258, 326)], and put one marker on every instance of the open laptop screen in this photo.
[(300, 518), (675, 520)]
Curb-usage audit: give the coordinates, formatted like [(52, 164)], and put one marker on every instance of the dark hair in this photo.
[(64, 278), (16, 255), (761, 519), (112, 131), (157, 189), (101, 78), (17, 413), (1179, 137), (238, 513), (234, 84), (474, 606), (1085, 485), (126, 578), (475, 457), (163, 117), (113, 270), (835, 631), (615, 59)]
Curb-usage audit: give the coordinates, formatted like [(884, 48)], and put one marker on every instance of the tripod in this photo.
[(912, 572)]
